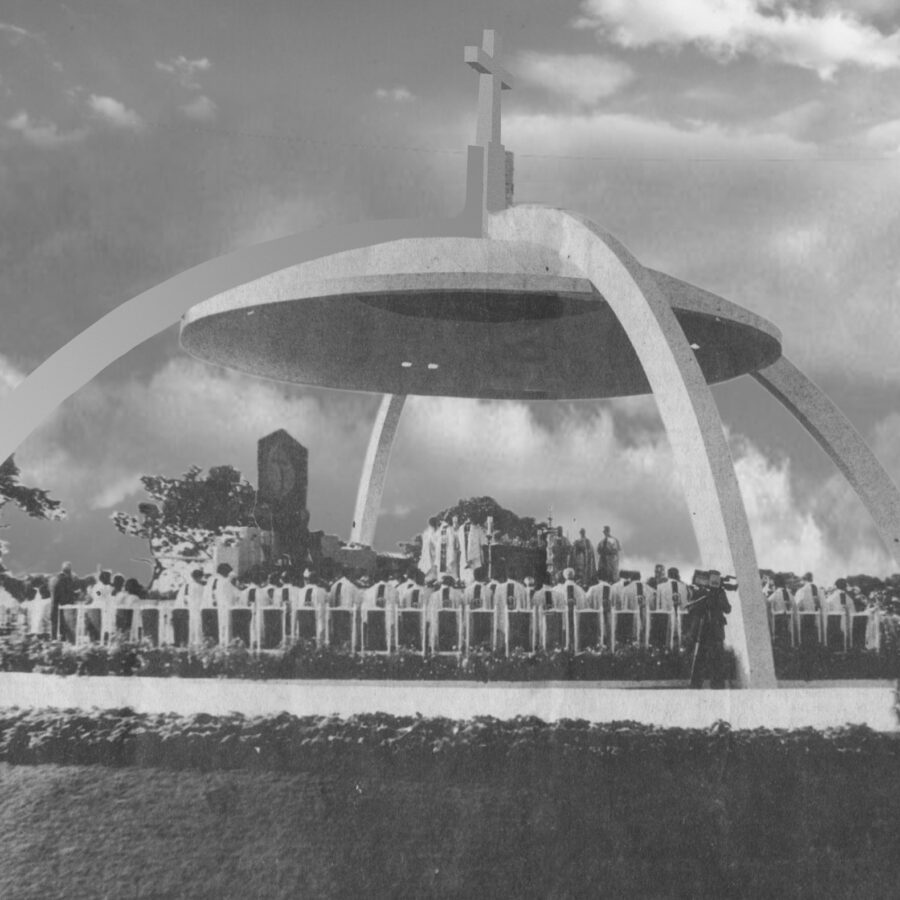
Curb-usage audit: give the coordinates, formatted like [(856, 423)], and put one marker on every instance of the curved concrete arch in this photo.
[(842, 442), (122, 329), (686, 406), (375, 467)]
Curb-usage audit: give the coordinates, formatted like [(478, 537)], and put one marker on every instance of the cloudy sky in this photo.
[(749, 146)]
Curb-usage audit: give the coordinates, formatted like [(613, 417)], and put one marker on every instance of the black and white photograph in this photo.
[(449, 449)]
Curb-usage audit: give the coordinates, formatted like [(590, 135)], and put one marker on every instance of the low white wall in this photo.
[(870, 703)]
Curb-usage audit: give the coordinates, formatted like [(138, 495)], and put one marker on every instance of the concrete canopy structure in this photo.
[(543, 305)]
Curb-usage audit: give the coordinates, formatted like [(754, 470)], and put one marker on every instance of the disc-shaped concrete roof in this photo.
[(466, 317)]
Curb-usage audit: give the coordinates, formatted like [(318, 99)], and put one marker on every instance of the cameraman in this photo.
[(707, 611)]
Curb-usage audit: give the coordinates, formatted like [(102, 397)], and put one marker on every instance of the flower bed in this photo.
[(305, 661)]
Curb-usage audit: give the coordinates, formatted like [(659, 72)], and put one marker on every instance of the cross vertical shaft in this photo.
[(492, 79)]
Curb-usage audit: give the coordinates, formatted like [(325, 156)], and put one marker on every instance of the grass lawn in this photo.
[(90, 831)]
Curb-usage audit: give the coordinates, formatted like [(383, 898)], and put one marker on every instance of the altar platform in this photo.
[(822, 704)]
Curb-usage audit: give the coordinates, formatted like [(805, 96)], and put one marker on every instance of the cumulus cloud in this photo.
[(200, 108), (601, 134), (398, 94), (115, 113), (821, 41), (584, 78), (184, 70), (43, 132), (16, 34)]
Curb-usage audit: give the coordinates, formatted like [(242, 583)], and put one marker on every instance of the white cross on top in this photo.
[(492, 79)]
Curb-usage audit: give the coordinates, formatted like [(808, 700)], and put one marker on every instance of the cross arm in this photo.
[(486, 65)]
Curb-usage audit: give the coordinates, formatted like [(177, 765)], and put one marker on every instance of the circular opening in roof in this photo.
[(482, 306)]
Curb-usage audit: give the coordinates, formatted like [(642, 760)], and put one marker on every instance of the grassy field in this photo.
[(89, 831)]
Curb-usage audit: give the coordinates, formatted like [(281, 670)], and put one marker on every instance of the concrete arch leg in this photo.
[(685, 404), (842, 442), (375, 467)]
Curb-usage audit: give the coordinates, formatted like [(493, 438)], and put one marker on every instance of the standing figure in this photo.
[(558, 551), (583, 560), (426, 558), (707, 613), (469, 538), (62, 593), (445, 555), (609, 552)]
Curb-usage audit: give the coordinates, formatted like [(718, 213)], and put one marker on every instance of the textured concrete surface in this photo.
[(786, 707), (375, 468), (842, 442), (471, 317), (686, 406)]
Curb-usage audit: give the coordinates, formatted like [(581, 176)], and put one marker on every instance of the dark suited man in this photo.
[(62, 593), (707, 611)]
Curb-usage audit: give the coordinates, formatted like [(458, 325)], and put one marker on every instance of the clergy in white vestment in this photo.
[(426, 559), (672, 592), (412, 595), (838, 600), (583, 560), (637, 595), (470, 539), (808, 597), (311, 596), (220, 590), (545, 597), (609, 554), (598, 596), (446, 561), (190, 594), (100, 593), (569, 593), (381, 595), (344, 593), (476, 596)]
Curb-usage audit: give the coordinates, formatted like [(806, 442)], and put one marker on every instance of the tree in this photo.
[(189, 513), (32, 501)]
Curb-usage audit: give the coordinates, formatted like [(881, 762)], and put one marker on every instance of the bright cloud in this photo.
[(583, 77), (184, 70), (395, 95), (602, 134), (115, 113), (43, 132), (765, 29), (200, 108), (17, 34)]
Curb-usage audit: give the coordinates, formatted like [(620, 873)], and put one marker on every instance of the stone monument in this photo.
[(283, 475)]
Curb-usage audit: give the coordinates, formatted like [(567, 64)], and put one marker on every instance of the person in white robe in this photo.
[(569, 592), (427, 564), (672, 594), (311, 596), (220, 591), (583, 561), (475, 596), (609, 554), (446, 596), (808, 601), (781, 607), (470, 540), (598, 595), (344, 594), (191, 596), (384, 595), (446, 560)]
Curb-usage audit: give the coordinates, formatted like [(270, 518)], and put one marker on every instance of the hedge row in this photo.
[(631, 663), (288, 743)]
